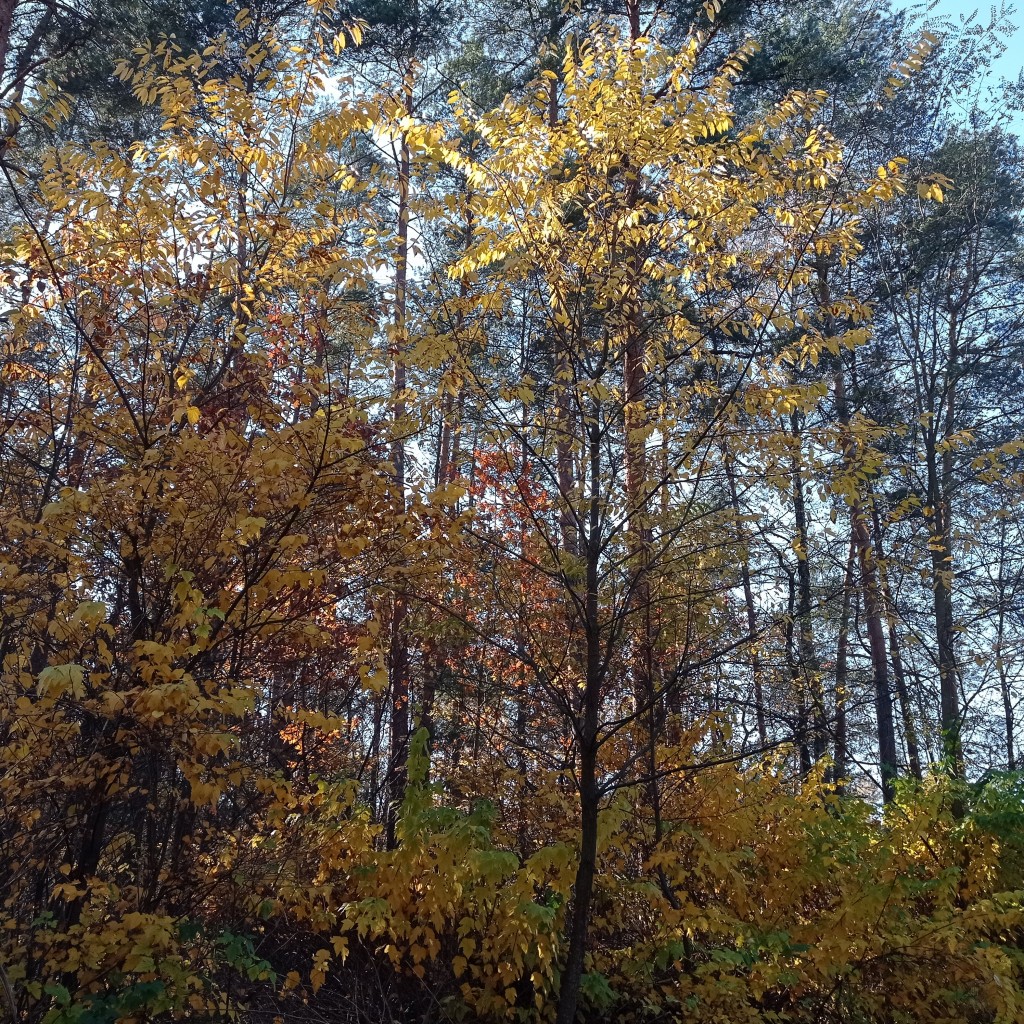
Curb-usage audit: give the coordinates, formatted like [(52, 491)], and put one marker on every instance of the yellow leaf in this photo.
[(58, 680)]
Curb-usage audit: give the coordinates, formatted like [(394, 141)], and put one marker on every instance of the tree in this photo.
[(946, 283), (636, 229), (184, 497)]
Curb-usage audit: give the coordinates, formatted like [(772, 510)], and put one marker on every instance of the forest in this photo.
[(510, 511)]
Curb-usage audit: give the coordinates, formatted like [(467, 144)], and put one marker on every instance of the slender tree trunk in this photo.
[(1004, 682), (796, 685), (899, 676), (6, 21), (842, 753), (748, 598), (635, 424), (566, 429), (942, 608), (938, 516), (444, 441), (809, 671), (633, 17), (887, 757), (583, 891), (639, 532), (433, 667), (873, 607), (637, 498), (565, 418), (398, 773), (1008, 715), (951, 720), (587, 738), (638, 492)]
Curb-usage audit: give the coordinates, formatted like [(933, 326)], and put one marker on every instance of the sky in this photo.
[(1010, 64)]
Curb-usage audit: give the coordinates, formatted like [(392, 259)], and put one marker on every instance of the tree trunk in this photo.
[(842, 753), (583, 891), (587, 737), (873, 608), (6, 21), (633, 17), (887, 758), (748, 599), (797, 690), (899, 676), (1004, 682), (398, 766), (1008, 716), (938, 516), (809, 668), (942, 608)]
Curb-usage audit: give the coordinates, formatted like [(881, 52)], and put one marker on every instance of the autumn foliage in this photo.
[(330, 697)]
